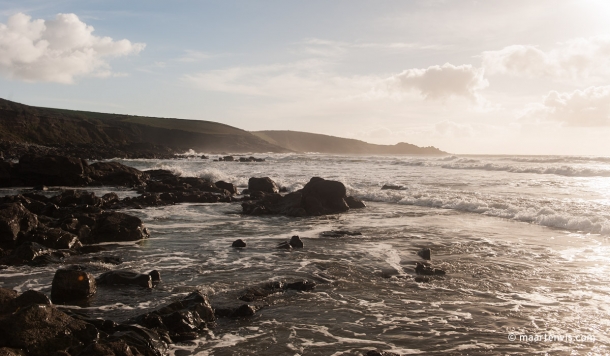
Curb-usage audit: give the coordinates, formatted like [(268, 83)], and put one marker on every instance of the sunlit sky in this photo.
[(497, 77)]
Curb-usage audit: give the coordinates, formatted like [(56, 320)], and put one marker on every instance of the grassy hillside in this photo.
[(309, 142), (45, 126)]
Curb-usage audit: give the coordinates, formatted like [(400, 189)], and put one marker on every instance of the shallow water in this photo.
[(526, 253)]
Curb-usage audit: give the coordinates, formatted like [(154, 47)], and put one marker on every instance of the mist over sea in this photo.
[(523, 239)]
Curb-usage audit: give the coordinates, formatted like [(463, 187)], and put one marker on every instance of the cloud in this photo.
[(578, 58), (56, 50), (194, 56), (442, 82), (454, 129), (589, 107)]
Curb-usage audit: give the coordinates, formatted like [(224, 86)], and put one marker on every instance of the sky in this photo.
[(478, 77)]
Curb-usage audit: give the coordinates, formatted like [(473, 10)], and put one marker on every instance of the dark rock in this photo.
[(15, 219), (238, 243), (230, 187), (155, 276), (421, 279), (53, 238), (31, 297), (71, 284), (285, 245), (29, 251), (389, 272), (7, 298), (296, 242), (339, 233), (40, 187), (264, 184), (424, 253), (392, 187), (125, 277), (381, 353), (116, 347), (303, 285), (244, 311), (142, 340), (426, 270), (115, 173), (182, 319), (321, 197), (114, 226), (228, 158), (355, 203), (52, 170), (42, 329)]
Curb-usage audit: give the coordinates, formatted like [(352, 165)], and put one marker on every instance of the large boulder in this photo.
[(264, 184), (15, 219), (53, 237), (116, 227), (52, 170), (115, 173), (71, 284), (42, 330), (321, 196)]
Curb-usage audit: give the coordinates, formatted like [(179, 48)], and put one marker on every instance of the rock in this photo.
[(116, 347), (7, 297), (228, 158), (230, 187), (238, 243), (29, 251), (115, 173), (71, 284), (303, 285), (115, 226), (296, 242), (389, 272), (264, 184), (285, 245), (42, 329), (421, 279), (424, 253), (30, 297), (321, 197), (244, 311), (53, 238), (7, 351), (381, 353), (183, 319), (339, 233), (392, 187), (15, 219), (52, 170), (40, 187), (142, 341), (126, 277), (355, 203), (425, 270)]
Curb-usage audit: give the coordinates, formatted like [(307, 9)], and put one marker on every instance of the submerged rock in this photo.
[(296, 242), (339, 233), (393, 187), (381, 353), (426, 270), (126, 277), (424, 253), (71, 284), (238, 243), (284, 245)]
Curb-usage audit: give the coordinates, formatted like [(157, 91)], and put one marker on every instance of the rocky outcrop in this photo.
[(15, 220), (318, 197), (264, 184), (114, 173)]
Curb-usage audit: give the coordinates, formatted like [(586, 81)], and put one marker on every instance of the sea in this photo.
[(524, 241)]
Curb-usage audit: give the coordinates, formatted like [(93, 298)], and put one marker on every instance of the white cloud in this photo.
[(578, 58), (442, 82), (56, 50), (589, 107)]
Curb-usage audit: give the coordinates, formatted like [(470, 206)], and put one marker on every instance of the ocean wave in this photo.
[(562, 214), (567, 171)]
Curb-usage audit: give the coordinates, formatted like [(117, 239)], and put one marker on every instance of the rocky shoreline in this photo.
[(39, 228)]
